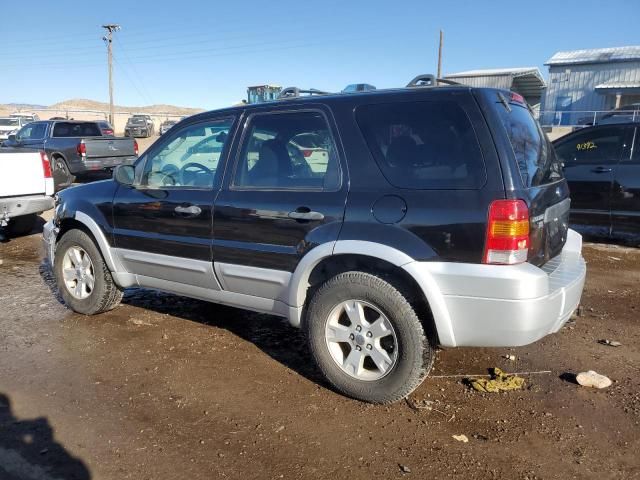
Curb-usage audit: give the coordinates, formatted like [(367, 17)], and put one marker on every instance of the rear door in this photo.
[(533, 173), (589, 157), (163, 223), (625, 196), (274, 206)]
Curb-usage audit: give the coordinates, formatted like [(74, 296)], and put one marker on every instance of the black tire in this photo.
[(21, 225), (415, 353), (105, 295), (62, 177)]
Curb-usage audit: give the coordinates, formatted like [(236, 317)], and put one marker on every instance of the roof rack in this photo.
[(428, 80), (295, 92)]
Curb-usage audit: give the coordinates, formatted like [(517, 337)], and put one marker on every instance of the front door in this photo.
[(625, 201), (280, 200), (589, 158), (163, 223)]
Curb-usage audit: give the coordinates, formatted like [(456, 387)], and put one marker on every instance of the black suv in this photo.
[(384, 223), (602, 166)]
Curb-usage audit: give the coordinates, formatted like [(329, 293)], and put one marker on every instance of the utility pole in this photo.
[(108, 39), (440, 57)]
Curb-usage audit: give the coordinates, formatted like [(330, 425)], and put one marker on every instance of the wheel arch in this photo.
[(82, 221), (330, 259)]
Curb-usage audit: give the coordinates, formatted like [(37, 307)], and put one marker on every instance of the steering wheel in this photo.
[(199, 167)]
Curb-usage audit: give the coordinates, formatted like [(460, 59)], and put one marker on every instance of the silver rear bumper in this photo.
[(495, 305), (16, 206)]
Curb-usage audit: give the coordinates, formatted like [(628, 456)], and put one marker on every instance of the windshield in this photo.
[(136, 121), (8, 122), (534, 154)]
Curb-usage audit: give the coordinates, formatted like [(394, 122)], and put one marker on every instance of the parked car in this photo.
[(440, 218), (106, 128), (166, 125), (26, 189), (9, 126), (26, 117), (602, 166), (74, 147), (139, 126)]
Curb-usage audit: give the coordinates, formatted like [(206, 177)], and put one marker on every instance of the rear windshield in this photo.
[(423, 145), (534, 153), (76, 129)]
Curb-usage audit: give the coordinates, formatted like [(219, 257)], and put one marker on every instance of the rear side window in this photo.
[(591, 147), (423, 145), (534, 154), (76, 129)]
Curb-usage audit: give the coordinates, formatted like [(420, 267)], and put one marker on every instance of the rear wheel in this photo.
[(62, 177), (84, 281), (21, 225), (367, 339)]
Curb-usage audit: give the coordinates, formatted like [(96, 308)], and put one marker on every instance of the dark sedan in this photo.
[(602, 166)]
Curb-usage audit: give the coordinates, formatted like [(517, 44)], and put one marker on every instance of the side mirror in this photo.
[(12, 137), (124, 174)]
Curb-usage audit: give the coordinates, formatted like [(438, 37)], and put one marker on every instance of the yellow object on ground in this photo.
[(499, 381)]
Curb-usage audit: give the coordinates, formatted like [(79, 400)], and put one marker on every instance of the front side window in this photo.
[(288, 151), (423, 145), (189, 157), (32, 131), (597, 146)]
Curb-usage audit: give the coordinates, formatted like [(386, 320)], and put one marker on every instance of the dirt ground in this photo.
[(164, 387)]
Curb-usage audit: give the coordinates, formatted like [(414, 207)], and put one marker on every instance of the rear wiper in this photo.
[(504, 102)]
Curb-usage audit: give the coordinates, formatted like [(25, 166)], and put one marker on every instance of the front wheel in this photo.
[(84, 281), (367, 339)]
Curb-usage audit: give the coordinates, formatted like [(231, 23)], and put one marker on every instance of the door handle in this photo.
[(304, 213), (601, 170), (190, 211)]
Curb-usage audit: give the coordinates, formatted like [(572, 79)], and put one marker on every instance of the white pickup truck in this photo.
[(26, 189)]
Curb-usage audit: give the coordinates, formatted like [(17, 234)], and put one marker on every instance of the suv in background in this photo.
[(440, 217), (139, 126), (602, 166), (106, 128)]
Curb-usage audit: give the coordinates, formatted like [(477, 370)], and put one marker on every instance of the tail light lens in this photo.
[(107, 131), (307, 153), (82, 149), (135, 148), (46, 165), (516, 97), (507, 233)]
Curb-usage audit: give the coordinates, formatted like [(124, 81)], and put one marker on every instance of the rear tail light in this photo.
[(516, 97), (46, 165), (135, 148), (507, 233), (307, 153), (82, 149), (107, 131)]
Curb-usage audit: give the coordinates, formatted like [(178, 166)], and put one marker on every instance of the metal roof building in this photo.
[(527, 81), (584, 81)]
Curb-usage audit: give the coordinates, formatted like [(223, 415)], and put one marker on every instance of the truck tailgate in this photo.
[(21, 174), (106, 147)]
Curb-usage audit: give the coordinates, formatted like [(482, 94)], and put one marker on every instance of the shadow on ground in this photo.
[(28, 450), (273, 335)]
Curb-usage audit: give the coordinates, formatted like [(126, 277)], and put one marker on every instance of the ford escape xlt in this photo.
[(438, 218)]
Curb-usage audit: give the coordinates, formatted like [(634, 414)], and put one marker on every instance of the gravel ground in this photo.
[(164, 387)]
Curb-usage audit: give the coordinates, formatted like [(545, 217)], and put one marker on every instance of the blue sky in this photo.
[(205, 53)]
